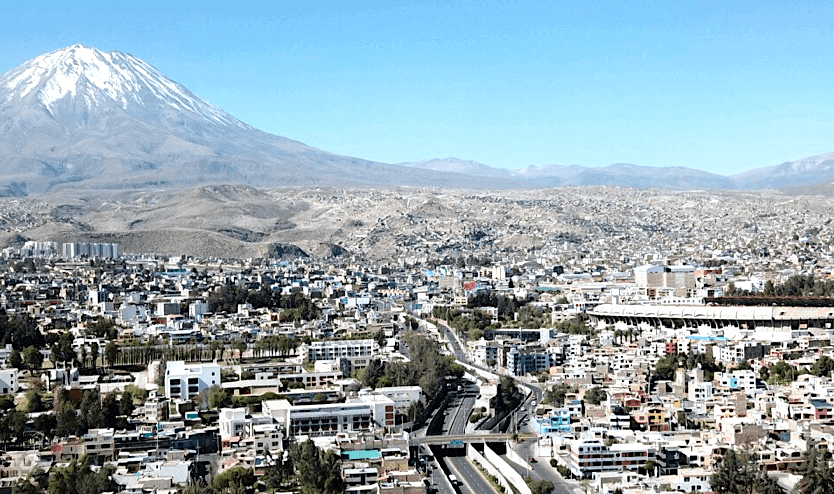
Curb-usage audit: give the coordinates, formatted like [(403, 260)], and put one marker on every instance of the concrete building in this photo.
[(331, 350), (9, 381), (652, 277), (185, 381), (519, 364), (588, 456), (331, 419)]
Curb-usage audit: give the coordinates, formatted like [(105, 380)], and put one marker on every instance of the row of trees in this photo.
[(795, 286), (21, 332), (740, 473)]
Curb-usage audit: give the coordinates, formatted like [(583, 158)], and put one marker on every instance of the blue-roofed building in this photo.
[(557, 422)]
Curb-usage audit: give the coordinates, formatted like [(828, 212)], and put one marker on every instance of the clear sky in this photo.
[(721, 86)]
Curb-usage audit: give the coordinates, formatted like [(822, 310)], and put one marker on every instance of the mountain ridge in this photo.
[(79, 117)]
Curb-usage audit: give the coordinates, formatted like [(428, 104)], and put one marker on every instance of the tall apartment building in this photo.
[(72, 250), (519, 364)]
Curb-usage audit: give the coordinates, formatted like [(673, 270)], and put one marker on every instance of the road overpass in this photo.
[(485, 437)]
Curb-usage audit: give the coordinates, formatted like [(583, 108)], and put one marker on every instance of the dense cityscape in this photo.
[(624, 285), (444, 371)]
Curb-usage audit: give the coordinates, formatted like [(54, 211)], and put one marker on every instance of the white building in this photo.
[(402, 396), (197, 309), (331, 419), (185, 381), (331, 350), (738, 379), (9, 382), (590, 455)]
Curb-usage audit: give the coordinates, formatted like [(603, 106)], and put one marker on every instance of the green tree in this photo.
[(556, 394), (651, 467), (111, 353), (94, 351), (595, 395), (79, 478), (24, 486), (735, 474), (34, 403), (235, 479), (380, 338), (317, 472), (218, 397), (817, 474), (823, 366), (539, 486), (15, 360), (33, 358)]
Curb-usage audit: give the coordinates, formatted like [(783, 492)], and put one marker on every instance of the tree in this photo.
[(218, 397), (556, 395), (111, 353), (24, 486), (823, 366), (539, 486), (94, 351), (33, 358), (317, 472), (380, 338), (818, 476), (735, 474), (79, 478), (650, 467), (235, 479), (15, 360), (34, 403), (665, 368), (595, 395)]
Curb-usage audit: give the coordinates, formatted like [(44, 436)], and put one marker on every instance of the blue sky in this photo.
[(720, 86)]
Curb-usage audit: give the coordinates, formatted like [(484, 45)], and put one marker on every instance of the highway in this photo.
[(454, 425), (542, 469), (526, 448)]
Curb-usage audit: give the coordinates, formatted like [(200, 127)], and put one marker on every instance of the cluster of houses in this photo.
[(644, 433)]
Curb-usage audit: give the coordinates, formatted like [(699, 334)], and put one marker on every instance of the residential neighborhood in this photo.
[(163, 374)]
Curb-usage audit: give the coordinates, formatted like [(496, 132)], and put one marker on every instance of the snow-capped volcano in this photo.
[(80, 117), (92, 77)]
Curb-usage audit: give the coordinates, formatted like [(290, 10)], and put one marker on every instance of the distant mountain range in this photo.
[(81, 118), (621, 174)]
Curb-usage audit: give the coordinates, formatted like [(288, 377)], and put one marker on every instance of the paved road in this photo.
[(542, 469), (457, 416), (473, 481), (463, 401), (453, 340)]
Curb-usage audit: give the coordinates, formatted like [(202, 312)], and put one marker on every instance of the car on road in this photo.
[(533, 460)]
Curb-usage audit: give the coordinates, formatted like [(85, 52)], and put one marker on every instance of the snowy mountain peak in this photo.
[(91, 78)]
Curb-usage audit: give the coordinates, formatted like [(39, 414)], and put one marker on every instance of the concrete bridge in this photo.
[(461, 439)]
